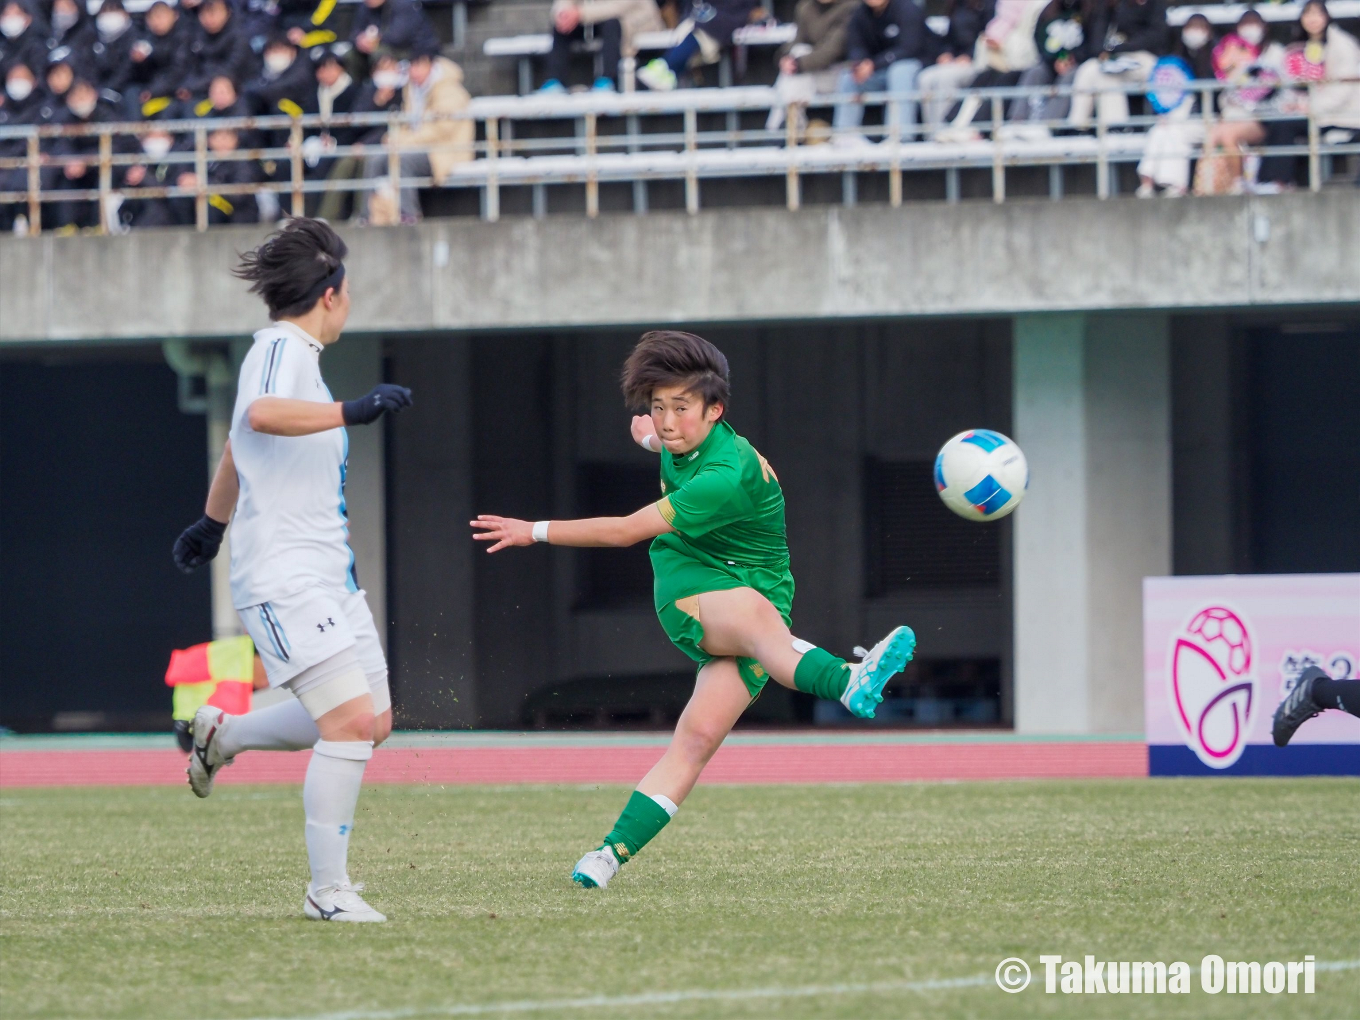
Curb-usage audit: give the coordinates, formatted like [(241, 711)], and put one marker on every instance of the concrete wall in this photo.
[(721, 266), (1092, 412)]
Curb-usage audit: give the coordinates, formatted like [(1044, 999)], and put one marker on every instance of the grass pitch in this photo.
[(148, 903)]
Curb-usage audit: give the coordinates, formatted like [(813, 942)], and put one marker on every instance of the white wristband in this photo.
[(541, 531), (647, 443)]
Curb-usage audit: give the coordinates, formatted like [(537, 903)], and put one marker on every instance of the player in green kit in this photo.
[(723, 589)]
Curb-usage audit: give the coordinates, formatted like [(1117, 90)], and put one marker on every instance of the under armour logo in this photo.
[(322, 626)]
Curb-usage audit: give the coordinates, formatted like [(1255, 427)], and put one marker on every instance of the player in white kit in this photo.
[(292, 572)]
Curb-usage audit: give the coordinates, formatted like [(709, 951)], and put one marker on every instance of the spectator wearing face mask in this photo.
[(1065, 38), (380, 94), (69, 25), (158, 168), (1196, 46), (23, 35), (1171, 141), (20, 104), (395, 25), (111, 51), (78, 157), (435, 143), (1131, 35), (160, 58), (219, 48), (284, 82), (1236, 61)]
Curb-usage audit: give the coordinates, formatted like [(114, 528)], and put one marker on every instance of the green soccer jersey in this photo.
[(725, 504)]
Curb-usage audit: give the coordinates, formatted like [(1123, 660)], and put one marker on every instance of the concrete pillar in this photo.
[(1092, 413), (351, 367)]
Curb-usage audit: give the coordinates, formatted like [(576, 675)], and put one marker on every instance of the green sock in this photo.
[(821, 674), (641, 820)]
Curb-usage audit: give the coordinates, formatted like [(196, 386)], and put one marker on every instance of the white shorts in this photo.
[(300, 631)]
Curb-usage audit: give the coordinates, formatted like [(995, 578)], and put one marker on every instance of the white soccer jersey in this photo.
[(290, 531)]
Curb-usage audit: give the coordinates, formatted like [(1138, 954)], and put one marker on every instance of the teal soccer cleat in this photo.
[(877, 666)]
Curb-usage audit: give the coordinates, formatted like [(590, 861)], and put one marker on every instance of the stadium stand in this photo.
[(261, 117)]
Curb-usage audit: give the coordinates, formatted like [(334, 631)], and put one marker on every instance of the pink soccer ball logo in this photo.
[(1223, 634), (1211, 685)]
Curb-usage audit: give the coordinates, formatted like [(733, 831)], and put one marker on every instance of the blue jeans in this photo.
[(897, 77)]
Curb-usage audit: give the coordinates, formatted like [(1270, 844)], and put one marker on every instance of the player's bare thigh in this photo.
[(742, 622), (355, 720)]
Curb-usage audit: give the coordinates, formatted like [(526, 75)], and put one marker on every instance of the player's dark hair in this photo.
[(287, 269), (667, 357)]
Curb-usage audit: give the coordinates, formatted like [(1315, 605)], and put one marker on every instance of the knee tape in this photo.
[(382, 694), (345, 750), (330, 684)]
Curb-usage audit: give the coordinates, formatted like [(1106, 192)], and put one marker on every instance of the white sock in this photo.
[(329, 796), (665, 803), (282, 727)]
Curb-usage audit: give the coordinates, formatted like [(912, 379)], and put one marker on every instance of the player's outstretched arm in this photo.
[(592, 532), (285, 416)]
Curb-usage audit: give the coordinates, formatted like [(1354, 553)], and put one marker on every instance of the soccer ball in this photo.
[(981, 475)]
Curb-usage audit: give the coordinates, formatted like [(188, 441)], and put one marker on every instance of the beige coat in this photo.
[(1336, 103), (448, 141), (635, 16)]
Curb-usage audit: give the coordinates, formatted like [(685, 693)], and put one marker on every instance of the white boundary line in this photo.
[(696, 995), (656, 999)]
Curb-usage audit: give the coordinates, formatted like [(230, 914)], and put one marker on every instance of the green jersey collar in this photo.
[(686, 459)]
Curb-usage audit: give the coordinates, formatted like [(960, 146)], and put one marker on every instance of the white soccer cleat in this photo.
[(204, 759), (340, 902), (595, 869), (878, 665)]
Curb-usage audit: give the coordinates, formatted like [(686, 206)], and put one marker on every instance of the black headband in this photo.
[(332, 279)]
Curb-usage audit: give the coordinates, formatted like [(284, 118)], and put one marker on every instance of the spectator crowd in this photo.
[(73, 62), (63, 64)]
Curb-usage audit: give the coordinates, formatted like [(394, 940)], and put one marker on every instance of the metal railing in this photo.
[(607, 144)]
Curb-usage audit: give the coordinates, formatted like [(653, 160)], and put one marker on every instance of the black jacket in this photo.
[(1131, 26), (86, 148), (226, 53), (28, 47), (1067, 29), (15, 113), (283, 94), (367, 102), (112, 61), (897, 33), (78, 36), (165, 68), (400, 23), (966, 22)]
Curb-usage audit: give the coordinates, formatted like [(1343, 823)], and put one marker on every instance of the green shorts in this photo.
[(686, 632)]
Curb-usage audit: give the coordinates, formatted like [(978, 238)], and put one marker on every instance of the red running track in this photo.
[(734, 763)]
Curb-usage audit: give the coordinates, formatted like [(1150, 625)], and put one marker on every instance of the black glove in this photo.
[(370, 407), (198, 543)]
